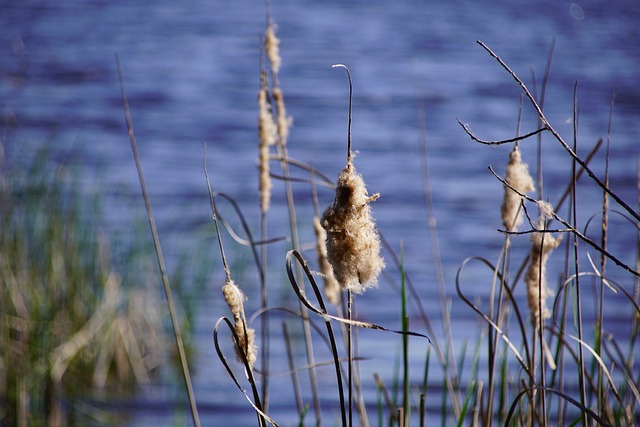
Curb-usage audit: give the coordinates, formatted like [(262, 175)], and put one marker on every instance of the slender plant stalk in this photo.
[(494, 338), (158, 249), (603, 259), (405, 343), (450, 373), (543, 93), (292, 368), (264, 323), (540, 330), (581, 371)]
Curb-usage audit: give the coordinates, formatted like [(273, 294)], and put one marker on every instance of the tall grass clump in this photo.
[(77, 322)]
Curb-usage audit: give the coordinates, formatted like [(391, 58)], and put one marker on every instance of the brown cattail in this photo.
[(353, 244), (518, 177), (284, 122), (542, 244), (331, 286), (271, 46), (235, 300), (267, 136)]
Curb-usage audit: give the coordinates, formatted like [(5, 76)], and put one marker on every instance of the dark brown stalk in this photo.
[(322, 311), (586, 411), (498, 330), (262, 416), (349, 293), (350, 109)]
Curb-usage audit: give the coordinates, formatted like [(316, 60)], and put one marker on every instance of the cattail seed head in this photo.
[(519, 178), (284, 121), (267, 136), (271, 46), (546, 209), (353, 244), (542, 244), (235, 300), (331, 286)]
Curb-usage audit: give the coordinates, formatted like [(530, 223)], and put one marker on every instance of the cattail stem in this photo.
[(350, 110), (574, 219), (212, 201), (349, 357)]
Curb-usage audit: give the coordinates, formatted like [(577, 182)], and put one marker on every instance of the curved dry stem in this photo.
[(294, 313), (262, 417), (498, 330), (626, 367), (501, 141), (300, 293), (565, 396), (322, 311), (602, 366), (301, 180), (325, 180), (249, 240)]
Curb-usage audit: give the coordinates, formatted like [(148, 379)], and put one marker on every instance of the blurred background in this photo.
[(192, 75)]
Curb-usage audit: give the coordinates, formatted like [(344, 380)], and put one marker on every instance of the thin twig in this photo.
[(559, 138), (572, 229)]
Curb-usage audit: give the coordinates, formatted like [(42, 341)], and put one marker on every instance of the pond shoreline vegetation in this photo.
[(529, 345)]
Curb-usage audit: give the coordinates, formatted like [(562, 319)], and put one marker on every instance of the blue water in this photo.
[(191, 72)]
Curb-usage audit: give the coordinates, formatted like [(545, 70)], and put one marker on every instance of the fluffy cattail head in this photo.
[(353, 244), (331, 286), (267, 134), (284, 122), (542, 244), (271, 46), (519, 178), (235, 300)]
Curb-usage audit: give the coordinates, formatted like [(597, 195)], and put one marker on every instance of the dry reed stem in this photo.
[(353, 243), (518, 177), (235, 300), (331, 286)]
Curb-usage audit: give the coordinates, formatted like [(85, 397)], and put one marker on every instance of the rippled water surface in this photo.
[(191, 71)]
